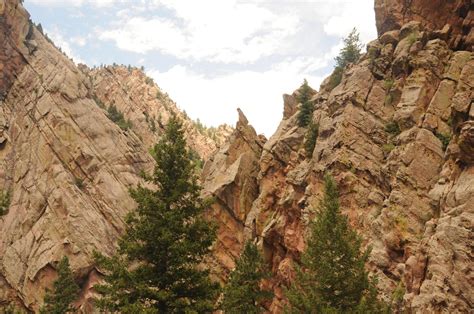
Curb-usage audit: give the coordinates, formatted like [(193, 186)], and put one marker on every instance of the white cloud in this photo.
[(79, 41), (258, 94), (359, 14), (222, 31), (62, 43), (75, 3)]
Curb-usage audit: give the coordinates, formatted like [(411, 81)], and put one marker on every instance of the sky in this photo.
[(212, 56)]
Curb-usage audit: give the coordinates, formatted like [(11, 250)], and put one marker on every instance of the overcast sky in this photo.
[(211, 56)]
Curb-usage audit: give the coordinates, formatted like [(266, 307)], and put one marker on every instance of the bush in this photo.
[(387, 148), (5, 199), (336, 78), (392, 128), (311, 137), (116, 116), (444, 138)]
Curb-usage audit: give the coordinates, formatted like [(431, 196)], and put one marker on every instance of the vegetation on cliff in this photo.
[(350, 53), (332, 276), (156, 267), (243, 292), (65, 291)]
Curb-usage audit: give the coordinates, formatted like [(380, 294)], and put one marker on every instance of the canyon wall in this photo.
[(397, 135)]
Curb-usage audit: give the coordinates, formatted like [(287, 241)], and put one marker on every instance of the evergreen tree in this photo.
[(332, 277), (350, 53), (305, 114), (242, 294), (64, 293), (156, 267)]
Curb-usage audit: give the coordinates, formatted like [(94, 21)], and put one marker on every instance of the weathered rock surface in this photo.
[(410, 195), (451, 21), (230, 178), (67, 166)]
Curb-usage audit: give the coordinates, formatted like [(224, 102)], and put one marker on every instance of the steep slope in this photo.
[(147, 106), (397, 134), (66, 167)]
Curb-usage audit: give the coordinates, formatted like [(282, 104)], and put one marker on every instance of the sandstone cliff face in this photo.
[(66, 166), (453, 20), (147, 107), (230, 178), (410, 193)]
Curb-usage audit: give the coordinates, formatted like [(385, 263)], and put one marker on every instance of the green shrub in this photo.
[(98, 101), (444, 138), (335, 79), (311, 138), (79, 182), (387, 148), (116, 116), (412, 38), (5, 199), (392, 128), (388, 84)]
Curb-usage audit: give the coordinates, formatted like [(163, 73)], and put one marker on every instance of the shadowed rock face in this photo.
[(453, 20)]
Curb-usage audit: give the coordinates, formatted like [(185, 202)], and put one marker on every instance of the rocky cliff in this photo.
[(397, 134), (66, 168)]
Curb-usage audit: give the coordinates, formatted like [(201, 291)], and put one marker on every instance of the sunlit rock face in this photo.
[(67, 166), (453, 21), (409, 194)]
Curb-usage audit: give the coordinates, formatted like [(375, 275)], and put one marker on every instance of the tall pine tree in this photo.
[(156, 268), (332, 276), (305, 115), (350, 53), (65, 291), (243, 294)]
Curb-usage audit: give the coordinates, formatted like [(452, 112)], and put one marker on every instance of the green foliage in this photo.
[(156, 268), (196, 159), (351, 51), (397, 296), (444, 138), (79, 182), (388, 84), (336, 78), (210, 132), (392, 128), (243, 294), (305, 115), (149, 81), (5, 199), (65, 291), (412, 38), (311, 137), (387, 148), (116, 116), (332, 276)]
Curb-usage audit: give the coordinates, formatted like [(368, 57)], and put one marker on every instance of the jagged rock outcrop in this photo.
[(397, 134), (65, 165), (230, 178), (452, 21)]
